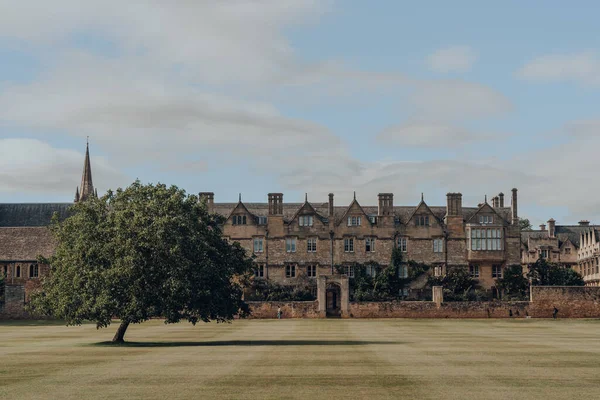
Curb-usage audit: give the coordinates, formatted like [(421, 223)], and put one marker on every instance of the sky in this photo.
[(305, 96)]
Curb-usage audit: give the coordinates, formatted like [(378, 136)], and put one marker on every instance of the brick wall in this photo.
[(14, 303)]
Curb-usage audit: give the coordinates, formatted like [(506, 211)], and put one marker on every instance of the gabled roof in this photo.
[(238, 206), (423, 204), (353, 204), (486, 206), (308, 206), (26, 243), (402, 213), (31, 214)]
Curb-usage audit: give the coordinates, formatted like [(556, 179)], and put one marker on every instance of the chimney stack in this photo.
[(386, 204), (584, 222), (209, 197), (454, 204), (501, 199), (275, 203), (551, 227), (330, 205), (515, 215), (542, 227)]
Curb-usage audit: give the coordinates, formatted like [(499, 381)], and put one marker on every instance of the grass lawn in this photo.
[(305, 359)]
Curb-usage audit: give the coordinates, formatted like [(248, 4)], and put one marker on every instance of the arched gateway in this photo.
[(333, 294)]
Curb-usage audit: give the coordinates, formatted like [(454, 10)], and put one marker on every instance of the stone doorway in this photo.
[(332, 296), (333, 299)]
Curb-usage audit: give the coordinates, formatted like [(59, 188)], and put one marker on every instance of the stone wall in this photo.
[(571, 301), (290, 309), (426, 309), (14, 303)]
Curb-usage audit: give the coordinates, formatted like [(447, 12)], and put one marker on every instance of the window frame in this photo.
[(290, 270), (354, 220), (497, 271), (259, 271), (402, 243), (349, 245), (290, 245), (311, 270), (349, 271), (474, 271), (486, 239), (438, 245), (370, 245), (261, 245), (305, 220), (311, 245)]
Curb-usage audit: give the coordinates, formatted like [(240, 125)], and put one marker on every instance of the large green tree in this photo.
[(513, 284), (143, 252), (544, 273)]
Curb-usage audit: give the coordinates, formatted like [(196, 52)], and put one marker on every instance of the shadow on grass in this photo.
[(249, 343), (34, 322)]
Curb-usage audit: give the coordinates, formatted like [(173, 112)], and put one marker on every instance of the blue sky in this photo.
[(306, 96)]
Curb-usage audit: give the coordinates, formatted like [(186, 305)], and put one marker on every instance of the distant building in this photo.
[(575, 246), (24, 233)]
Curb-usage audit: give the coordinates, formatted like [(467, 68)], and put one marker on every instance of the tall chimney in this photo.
[(515, 215), (495, 202), (275, 203), (386, 204), (330, 205), (542, 227), (501, 198), (209, 197), (454, 204), (551, 227)]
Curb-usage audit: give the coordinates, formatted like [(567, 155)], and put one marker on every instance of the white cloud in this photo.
[(452, 59), (431, 135), (582, 68), (237, 41), (452, 100), (34, 166)]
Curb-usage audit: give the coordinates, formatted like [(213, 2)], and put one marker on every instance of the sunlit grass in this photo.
[(305, 359)]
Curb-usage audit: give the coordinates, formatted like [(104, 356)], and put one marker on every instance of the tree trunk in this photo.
[(119, 336)]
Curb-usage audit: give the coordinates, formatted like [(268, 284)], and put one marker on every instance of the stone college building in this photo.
[(295, 240)]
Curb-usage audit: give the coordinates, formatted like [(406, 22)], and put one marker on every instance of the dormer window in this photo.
[(305, 220), (422, 220), (354, 221), (486, 219), (239, 220), (373, 219)]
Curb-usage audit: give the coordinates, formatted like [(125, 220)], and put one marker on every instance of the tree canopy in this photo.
[(513, 284), (544, 273), (524, 224), (143, 252)]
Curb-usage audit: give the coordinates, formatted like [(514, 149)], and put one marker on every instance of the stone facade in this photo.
[(575, 246), (294, 240)]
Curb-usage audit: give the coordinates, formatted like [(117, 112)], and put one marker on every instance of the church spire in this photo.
[(77, 194), (87, 187)]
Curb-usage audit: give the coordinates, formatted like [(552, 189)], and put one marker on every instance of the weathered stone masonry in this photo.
[(283, 236)]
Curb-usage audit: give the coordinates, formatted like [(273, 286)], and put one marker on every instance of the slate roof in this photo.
[(26, 243), (562, 232), (31, 214), (402, 212)]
